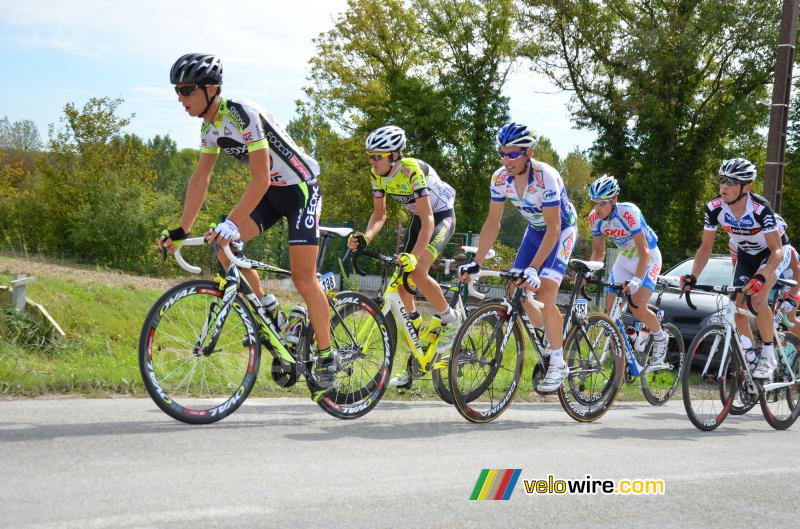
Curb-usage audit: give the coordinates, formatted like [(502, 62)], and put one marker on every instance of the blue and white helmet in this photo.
[(738, 169), (516, 135), (604, 187), (386, 139)]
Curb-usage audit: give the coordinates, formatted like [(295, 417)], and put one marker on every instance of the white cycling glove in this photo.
[(228, 229), (529, 275)]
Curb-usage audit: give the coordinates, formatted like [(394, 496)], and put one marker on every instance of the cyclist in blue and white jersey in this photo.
[(284, 184), (639, 261), (537, 191), (755, 233)]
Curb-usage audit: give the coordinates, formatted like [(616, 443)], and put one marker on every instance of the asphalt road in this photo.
[(122, 463)]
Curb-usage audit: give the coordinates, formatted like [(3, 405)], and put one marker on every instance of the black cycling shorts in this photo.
[(747, 265), (444, 224), (301, 204)]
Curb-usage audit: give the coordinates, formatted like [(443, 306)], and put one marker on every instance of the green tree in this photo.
[(669, 86), (435, 68), (19, 136)]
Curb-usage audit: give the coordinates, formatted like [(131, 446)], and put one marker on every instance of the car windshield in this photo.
[(718, 271)]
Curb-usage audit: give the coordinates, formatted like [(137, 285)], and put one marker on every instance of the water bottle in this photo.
[(297, 324), (641, 339), (270, 304)]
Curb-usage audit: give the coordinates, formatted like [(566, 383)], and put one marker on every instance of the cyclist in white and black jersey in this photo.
[(639, 261), (284, 184), (754, 231)]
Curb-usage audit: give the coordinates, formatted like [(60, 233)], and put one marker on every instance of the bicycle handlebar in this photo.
[(194, 241), (385, 260)]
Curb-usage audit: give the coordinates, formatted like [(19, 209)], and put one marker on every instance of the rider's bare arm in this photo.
[(773, 240), (377, 218), (704, 252), (197, 189), (598, 248), (644, 255), (490, 229)]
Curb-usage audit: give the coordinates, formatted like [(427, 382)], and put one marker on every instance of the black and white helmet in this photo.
[(386, 139), (198, 68), (738, 169)]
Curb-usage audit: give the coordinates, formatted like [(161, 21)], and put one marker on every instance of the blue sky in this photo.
[(58, 52)]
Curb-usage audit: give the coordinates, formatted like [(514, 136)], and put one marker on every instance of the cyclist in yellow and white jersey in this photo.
[(284, 184), (429, 200)]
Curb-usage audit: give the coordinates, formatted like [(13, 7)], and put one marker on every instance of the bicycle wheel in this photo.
[(779, 406), (440, 376), (593, 352), (486, 363), (440, 373), (186, 383), (704, 380), (360, 335), (660, 383)]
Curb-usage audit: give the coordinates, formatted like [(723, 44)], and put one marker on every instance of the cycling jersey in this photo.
[(746, 233), (545, 188), (411, 179), (242, 127), (625, 221), (781, 229)]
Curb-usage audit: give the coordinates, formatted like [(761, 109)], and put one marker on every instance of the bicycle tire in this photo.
[(701, 392), (659, 386), (364, 366), (780, 406), (188, 385), (440, 372), (600, 373), (483, 376)]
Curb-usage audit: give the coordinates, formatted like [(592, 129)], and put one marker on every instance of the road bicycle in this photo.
[(200, 344), (716, 370), (489, 353), (423, 342), (658, 380)]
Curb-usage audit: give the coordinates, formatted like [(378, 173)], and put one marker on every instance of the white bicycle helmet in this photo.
[(386, 139)]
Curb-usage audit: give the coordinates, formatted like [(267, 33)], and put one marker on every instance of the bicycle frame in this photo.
[(729, 323)]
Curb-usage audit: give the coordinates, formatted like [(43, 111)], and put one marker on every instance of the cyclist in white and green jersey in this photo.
[(429, 200), (283, 184)]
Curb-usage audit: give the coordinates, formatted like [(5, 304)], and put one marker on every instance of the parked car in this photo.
[(718, 271)]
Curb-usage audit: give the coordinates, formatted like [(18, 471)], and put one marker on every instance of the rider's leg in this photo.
[(765, 323), (303, 263)]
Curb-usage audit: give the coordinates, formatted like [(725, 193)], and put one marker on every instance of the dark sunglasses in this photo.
[(185, 91), (513, 155), (728, 181), (377, 156)]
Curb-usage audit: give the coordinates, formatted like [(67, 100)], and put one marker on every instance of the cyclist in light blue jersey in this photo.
[(639, 260)]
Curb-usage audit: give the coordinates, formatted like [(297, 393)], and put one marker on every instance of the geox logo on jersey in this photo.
[(236, 151), (234, 111)]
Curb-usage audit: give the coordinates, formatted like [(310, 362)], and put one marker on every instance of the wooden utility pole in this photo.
[(781, 93)]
